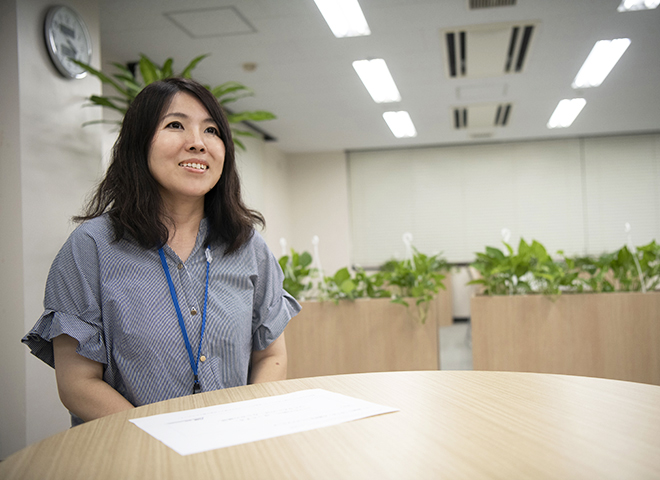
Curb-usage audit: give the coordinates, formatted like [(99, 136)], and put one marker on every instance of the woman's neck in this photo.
[(183, 223)]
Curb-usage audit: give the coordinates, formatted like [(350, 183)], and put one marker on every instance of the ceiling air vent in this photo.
[(518, 48), (460, 118), (502, 115), (477, 4), (487, 50), (481, 116)]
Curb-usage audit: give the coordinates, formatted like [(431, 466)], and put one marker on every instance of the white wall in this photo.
[(12, 365), (276, 208), (300, 196), (318, 189), (264, 179), (48, 166)]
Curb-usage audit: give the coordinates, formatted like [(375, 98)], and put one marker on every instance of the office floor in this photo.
[(456, 347)]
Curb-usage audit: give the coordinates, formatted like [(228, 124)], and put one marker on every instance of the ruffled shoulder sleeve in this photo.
[(72, 300), (273, 306)]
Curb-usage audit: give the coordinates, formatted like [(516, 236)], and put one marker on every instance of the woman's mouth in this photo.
[(195, 166)]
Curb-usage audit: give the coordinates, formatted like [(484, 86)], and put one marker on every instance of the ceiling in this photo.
[(304, 74)]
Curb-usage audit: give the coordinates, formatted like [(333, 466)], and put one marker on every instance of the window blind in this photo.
[(569, 194)]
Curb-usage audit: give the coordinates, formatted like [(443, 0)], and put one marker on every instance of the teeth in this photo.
[(197, 166)]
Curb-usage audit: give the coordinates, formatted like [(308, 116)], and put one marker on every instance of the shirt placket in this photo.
[(191, 308)]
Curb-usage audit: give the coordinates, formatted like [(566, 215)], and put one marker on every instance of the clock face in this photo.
[(67, 37)]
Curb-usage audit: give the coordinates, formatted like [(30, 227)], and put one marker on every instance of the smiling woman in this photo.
[(166, 239)]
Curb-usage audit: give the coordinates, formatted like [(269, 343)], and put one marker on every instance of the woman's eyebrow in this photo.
[(175, 114), (183, 115)]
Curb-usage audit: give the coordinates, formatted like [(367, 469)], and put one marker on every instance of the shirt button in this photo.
[(202, 358), (193, 312), (179, 266)]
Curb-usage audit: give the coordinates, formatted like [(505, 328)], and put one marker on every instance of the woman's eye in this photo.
[(174, 125), (212, 130)]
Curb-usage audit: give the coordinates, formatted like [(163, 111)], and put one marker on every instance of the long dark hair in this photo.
[(129, 193)]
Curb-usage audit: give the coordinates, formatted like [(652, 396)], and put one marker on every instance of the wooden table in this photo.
[(450, 425)]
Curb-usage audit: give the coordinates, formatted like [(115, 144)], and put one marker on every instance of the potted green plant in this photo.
[(344, 286), (129, 82), (529, 270), (360, 322), (580, 316), (419, 278)]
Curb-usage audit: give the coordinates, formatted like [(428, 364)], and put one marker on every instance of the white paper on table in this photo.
[(219, 426)]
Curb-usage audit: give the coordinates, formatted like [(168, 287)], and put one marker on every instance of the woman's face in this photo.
[(187, 154)]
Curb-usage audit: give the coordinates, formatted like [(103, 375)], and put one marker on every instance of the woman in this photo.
[(165, 289)]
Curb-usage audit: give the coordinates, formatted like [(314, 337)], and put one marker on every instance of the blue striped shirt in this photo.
[(113, 298)]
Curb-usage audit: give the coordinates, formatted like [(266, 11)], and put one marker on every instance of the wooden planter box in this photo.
[(365, 335), (606, 335)]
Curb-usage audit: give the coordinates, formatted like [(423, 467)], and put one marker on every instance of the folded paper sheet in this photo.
[(219, 426)]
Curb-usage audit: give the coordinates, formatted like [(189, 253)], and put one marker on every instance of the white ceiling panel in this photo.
[(211, 22)]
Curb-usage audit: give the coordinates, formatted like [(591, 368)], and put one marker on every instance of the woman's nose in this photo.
[(196, 143)]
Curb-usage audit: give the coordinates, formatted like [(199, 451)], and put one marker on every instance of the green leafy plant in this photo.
[(633, 270), (649, 261), (620, 271), (595, 273), (530, 270), (128, 84), (296, 268), (343, 286), (420, 278)]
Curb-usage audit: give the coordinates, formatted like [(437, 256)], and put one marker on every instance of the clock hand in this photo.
[(73, 49)]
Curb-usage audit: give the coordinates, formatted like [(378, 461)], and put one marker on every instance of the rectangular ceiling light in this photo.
[(400, 123), (566, 111), (377, 79), (600, 62), (630, 5), (344, 17)]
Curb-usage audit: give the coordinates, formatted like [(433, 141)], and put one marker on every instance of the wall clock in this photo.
[(67, 37)]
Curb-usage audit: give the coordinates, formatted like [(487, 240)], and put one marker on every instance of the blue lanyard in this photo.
[(194, 364)]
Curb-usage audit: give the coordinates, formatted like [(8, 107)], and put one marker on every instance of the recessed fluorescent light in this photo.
[(566, 111), (400, 123), (344, 17), (377, 79), (600, 62), (630, 5)]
